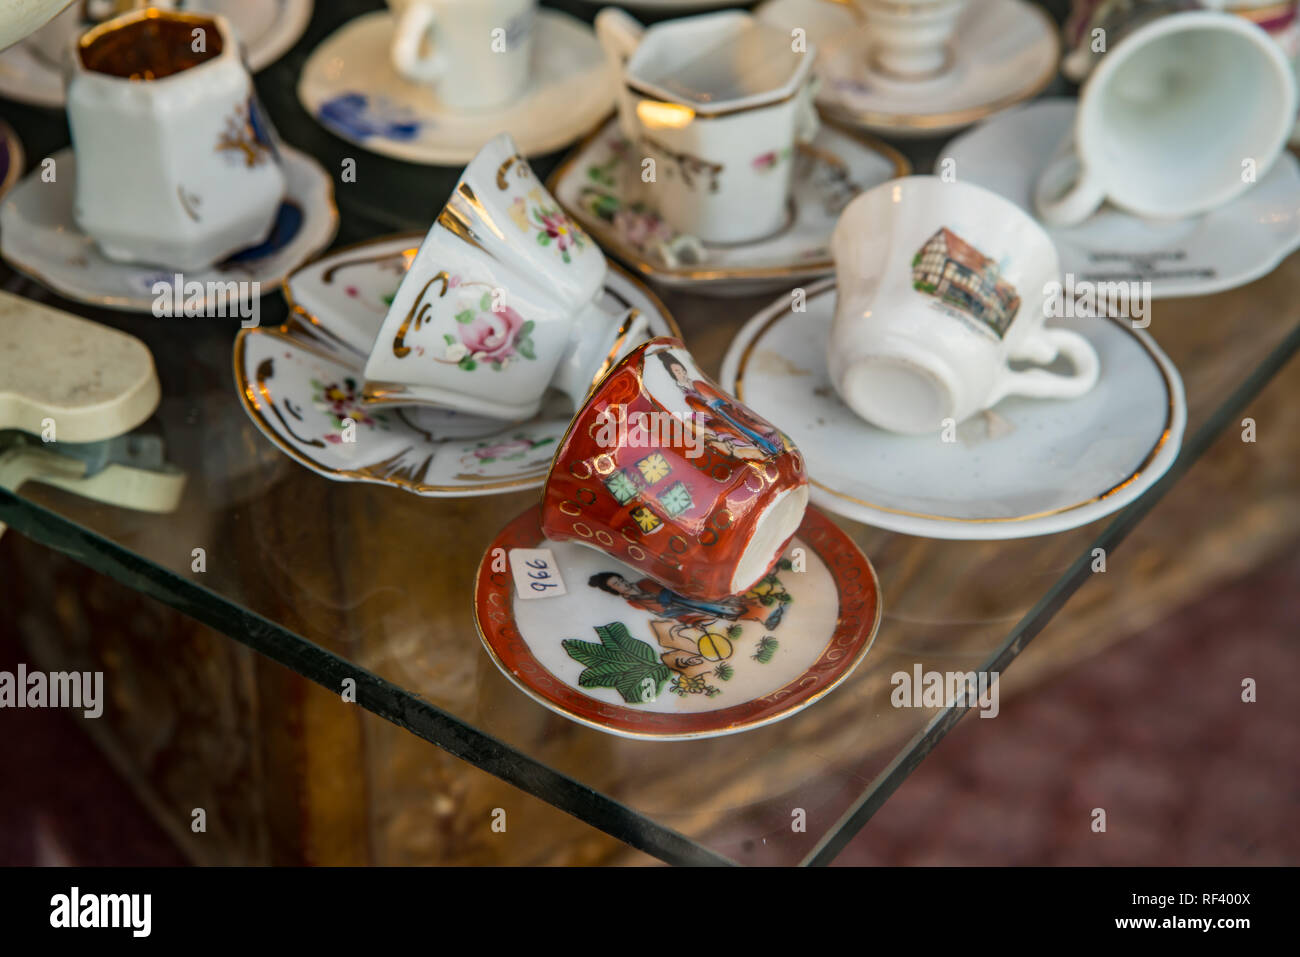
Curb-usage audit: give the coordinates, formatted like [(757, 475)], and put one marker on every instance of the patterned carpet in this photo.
[(1153, 731)]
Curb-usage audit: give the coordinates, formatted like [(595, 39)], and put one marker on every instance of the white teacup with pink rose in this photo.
[(502, 302)]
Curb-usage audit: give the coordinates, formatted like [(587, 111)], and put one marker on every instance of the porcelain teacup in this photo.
[(502, 300), (719, 102), (1182, 115), (177, 165), (664, 471), (474, 54), (940, 286)]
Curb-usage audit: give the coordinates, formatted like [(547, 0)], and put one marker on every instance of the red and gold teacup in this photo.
[(664, 471)]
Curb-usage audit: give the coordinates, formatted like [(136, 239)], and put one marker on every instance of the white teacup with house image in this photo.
[(940, 286), (502, 301), (719, 102), (473, 54)]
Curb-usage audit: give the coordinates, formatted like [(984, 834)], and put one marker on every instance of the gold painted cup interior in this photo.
[(149, 45)]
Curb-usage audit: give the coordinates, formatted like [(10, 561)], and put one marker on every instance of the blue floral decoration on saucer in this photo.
[(360, 117)]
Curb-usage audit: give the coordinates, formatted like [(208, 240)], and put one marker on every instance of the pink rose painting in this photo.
[(490, 333)]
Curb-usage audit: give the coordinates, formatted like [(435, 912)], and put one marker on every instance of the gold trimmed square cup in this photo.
[(502, 302), (177, 165), (720, 103)]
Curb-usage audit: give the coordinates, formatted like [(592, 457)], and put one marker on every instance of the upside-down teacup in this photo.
[(940, 287), (502, 301), (664, 471)]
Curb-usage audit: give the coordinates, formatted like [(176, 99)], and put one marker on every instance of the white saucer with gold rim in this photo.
[(597, 183), (39, 236), (1025, 467), (351, 88), (1003, 52), (301, 385), (266, 28)]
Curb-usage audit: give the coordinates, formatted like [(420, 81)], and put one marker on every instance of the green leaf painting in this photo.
[(620, 662)]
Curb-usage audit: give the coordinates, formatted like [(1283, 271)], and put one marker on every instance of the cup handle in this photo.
[(1066, 193), (417, 21), (808, 123), (1044, 347), (620, 34)]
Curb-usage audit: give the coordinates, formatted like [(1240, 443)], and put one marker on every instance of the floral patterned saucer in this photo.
[(597, 182), (351, 88), (267, 29), (12, 158), (1025, 467), (301, 384), (1224, 248), (622, 654), (1003, 52), (39, 237)]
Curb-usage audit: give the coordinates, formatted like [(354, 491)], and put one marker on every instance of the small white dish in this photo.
[(299, 384), (595, 181), (1224, 248), (350, 87), (1004, 51), (266, 28), (39, 237), (1025, 467)]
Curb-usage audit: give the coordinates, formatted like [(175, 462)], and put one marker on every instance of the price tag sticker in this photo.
[(536, 573)]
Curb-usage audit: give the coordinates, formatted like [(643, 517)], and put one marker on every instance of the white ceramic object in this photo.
[(39, 236), (349, 85), (720, 102), (1224, 248), (266, 30), (126, 486), (91, 382), (941, 287), (599, 184), (1026, 468), (181, 170), (1002, 52), (300, 383), (475, 54), (1142, 140), (19, 18), (505, 297), (911, 39)]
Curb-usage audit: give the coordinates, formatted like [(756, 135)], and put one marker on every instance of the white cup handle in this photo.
[(620, 34), (417, 21), (808, 123), (1066, 193), (1044, 347)]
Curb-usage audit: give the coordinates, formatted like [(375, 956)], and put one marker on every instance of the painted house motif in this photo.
[(955, 272)]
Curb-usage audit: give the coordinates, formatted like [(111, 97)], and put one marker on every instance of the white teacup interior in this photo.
[(1178, 114), (715, 59), (774, 525)]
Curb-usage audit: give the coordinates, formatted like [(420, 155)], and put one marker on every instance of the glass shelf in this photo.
[(357, 581)]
